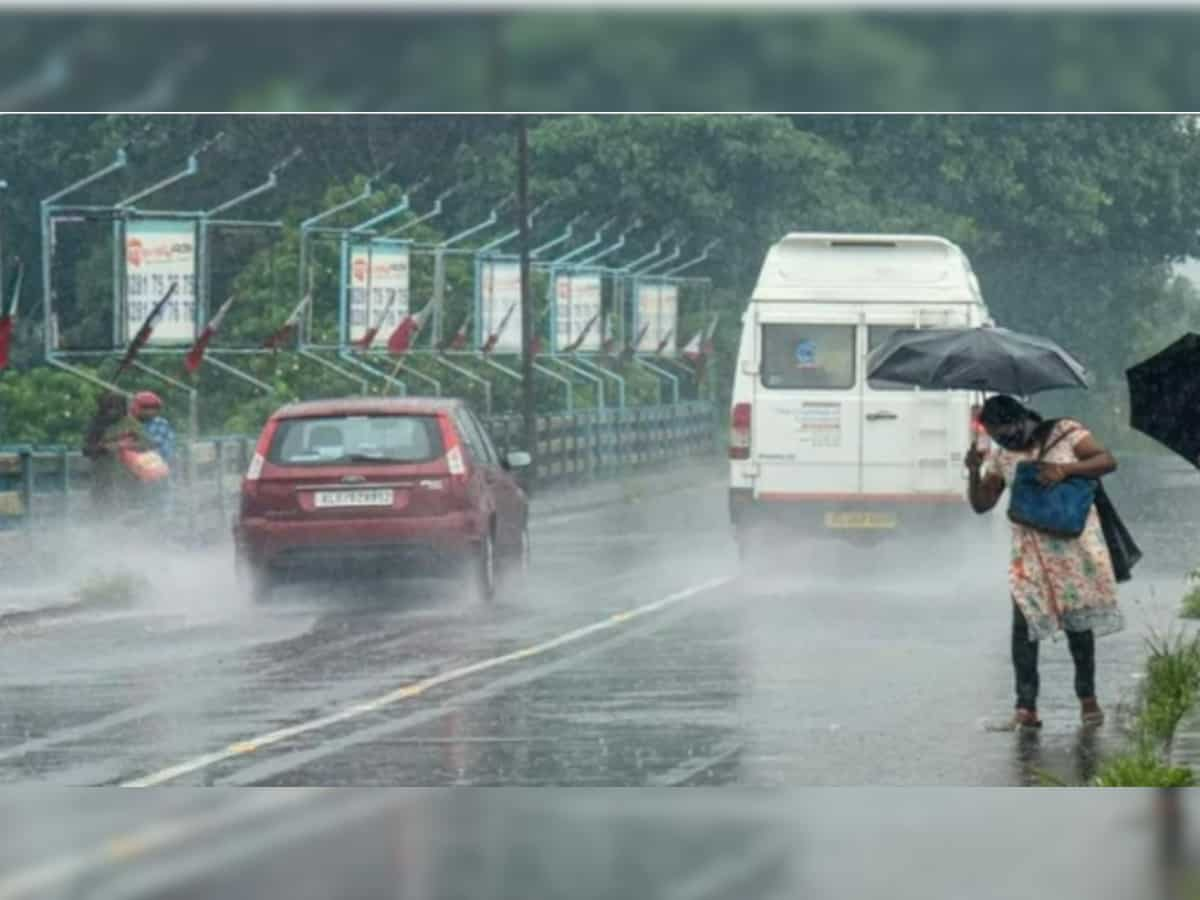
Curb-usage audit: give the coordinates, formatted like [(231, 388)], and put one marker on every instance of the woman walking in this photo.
[(1055, 582)]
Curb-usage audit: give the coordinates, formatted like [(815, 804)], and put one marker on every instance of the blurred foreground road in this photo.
[(310, 844)]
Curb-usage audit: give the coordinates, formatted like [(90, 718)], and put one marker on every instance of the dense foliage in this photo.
[(1073, 223)]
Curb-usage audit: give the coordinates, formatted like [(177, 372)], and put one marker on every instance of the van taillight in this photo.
[(739, 432)]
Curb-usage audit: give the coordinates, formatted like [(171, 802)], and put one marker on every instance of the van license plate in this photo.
[(334, 499), (860, 520)]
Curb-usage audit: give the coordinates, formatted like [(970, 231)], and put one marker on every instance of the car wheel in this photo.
[(257, 581), (521, 554), (481, 571)]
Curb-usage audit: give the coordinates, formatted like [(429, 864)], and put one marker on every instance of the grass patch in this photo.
[(1172, 683), (1143, 768), (1191, 600), (1171, 688)]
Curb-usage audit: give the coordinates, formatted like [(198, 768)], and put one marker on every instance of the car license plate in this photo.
[(860, 520), (360, 497)]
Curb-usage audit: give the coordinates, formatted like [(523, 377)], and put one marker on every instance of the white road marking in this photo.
[(135, 713), (416, 689), (690, 768)]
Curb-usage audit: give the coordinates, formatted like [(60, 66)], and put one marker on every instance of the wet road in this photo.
[(862, 843), (634, 654)]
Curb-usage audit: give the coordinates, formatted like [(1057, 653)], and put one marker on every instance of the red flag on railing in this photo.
[(408, 329), (490, 344), (6, 327), (290, 328), (368, 338), (578, 342), (147, 329), (195, 356), (8, 315), (662, 345), (631, 348), (458, 340)]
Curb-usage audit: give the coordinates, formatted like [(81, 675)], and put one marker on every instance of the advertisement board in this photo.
[(387, 281), (577, 302), (500, 304), (159, 252)]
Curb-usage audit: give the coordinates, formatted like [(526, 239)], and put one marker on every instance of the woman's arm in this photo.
[(983, 491), (1094, 461)]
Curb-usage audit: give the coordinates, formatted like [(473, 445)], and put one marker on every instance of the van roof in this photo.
[(866, 268)]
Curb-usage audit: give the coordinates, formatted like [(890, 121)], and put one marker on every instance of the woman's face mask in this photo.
[(1017, 436)]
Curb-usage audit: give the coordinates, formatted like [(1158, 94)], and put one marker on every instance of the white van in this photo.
[(815, 442)]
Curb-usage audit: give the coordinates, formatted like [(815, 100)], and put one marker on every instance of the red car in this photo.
[(380, 484)]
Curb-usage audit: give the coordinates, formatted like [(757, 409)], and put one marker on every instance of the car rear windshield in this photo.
[(350, 440), (808, 357)]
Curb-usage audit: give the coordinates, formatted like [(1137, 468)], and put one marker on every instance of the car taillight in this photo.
[(739, 432), (456, 463), (261, 449), (254, 470)]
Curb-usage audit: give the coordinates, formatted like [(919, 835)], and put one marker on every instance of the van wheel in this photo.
[(480, 576)]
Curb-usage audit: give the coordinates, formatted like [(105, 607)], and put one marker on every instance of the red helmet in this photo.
[(146, 400)]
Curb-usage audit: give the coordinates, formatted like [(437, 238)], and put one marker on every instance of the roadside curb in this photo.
[(608, 493), (1185, 745)]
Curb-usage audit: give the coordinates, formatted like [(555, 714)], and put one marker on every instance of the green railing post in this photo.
[(26, 456)]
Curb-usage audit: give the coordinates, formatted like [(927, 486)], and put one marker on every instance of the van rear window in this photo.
[(356, 440), (808, 357), (876, 335)]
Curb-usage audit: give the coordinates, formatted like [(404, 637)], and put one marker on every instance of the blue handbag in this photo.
[(1060, 510)]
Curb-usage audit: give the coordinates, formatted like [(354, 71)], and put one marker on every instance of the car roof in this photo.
[(366, 406)]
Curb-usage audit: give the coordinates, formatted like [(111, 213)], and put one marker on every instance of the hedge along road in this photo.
[(634, 654)]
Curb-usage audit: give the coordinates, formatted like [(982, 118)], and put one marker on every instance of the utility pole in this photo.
[(528, 405)]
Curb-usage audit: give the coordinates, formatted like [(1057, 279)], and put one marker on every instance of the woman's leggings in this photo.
[(1025, 662)]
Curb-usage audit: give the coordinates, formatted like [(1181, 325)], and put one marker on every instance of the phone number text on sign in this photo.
[(159, 253), (387, 303)]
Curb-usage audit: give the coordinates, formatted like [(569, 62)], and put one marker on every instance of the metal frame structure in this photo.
[(53, 210), (567, 370)]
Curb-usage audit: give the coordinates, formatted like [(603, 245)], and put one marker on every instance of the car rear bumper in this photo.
[(330, 546), (848, 516)]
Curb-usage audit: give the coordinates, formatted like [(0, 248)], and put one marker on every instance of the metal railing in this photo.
[(42, 486)]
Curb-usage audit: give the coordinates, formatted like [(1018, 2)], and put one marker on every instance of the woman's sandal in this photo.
[(1025, 718), (1090, 713)]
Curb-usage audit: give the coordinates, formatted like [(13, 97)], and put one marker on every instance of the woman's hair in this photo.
[(1004, 410)]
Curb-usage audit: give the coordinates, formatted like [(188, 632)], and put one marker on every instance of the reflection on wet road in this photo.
[(634, 654)]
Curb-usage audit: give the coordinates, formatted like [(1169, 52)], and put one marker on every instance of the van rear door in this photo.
[(913, 441), (806, 413)]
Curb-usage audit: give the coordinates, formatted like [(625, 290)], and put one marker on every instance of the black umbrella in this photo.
[(976, 359), (1164, 397)]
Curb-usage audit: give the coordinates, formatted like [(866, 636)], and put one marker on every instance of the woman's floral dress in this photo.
[(1060, 583)]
